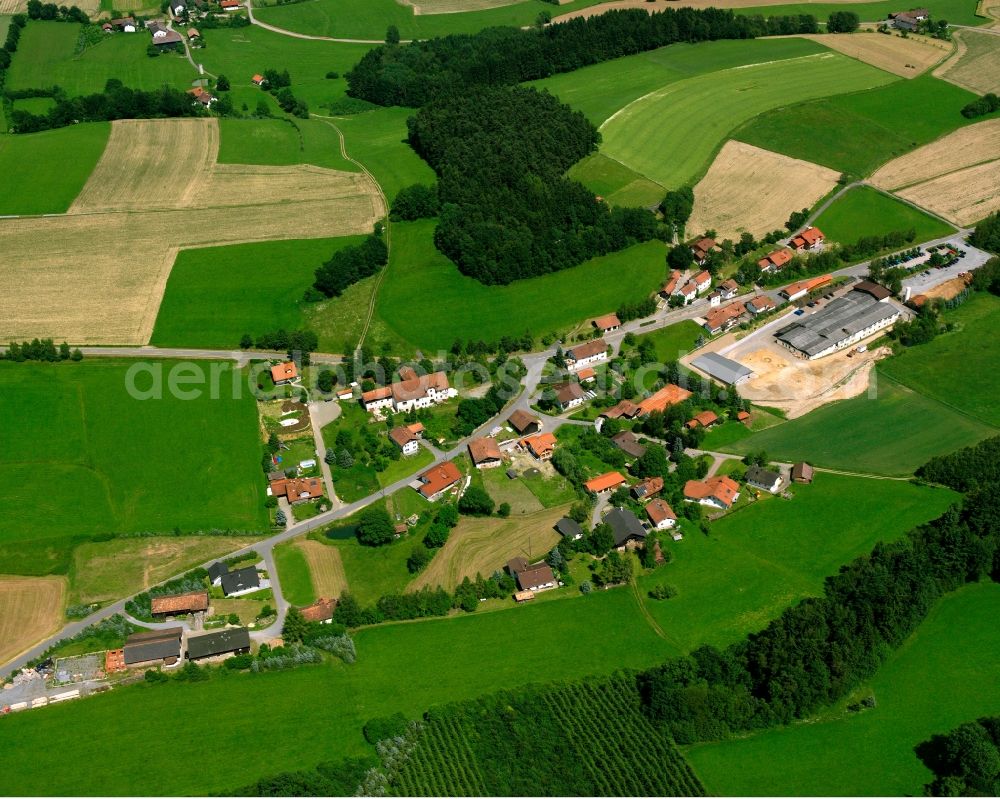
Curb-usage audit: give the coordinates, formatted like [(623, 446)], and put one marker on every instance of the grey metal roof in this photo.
[(240, 580), (841, 319), (568, 527), (217, 569), (152, 650), (625, 525), (761, 476), (230, 639), (721, 368)]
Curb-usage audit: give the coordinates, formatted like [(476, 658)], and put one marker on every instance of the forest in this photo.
[(416, 73), (968, 469), (507, 212)]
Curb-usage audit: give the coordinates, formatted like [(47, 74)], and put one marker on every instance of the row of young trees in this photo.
[(50, 11), (417, 73), (17, 24), (40, 350)]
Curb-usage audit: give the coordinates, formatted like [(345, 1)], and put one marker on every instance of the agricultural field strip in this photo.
[(962, 197), (907, 57), (975, 64), (30, 608)]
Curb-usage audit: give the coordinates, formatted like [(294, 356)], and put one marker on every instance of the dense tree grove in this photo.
[(507, 211), (987, 234), (50, 11), (415, 202), (677, 206), (417, 73), (842, 22), (115, 102), (350, 264), (965, 761), (986, 104), (976, 467)]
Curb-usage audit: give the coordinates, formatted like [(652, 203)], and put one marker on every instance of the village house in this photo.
[(206, 99), (569, 395), (406, 439), (702, 282), (541, 446), (688, 291), (258, 80), (568, 528), (663, 399), (153, 648), (124, 24), (716, 492), (284, 372), (703, 419), (242, 581), (163, 37), (715, 299), (606, 323), (701, 248), (193, 34), (874, 290), (586, 375), (178, 7), (802, 472), (774, 261), (721, 319), (604, 483), (216, 570), (661, 516), (721, 368), (760, 304), (671, 285), (531, 576), (764, 479), (524, 423), (320, 611), (909, 20), (728, 289), (809, 239), (628, 530), (629, 444), (414, 391), (433, 483), (744, 418), (229, 641), (485, 453), (230, 5), (647, 488), (296, 489), (347, 392), (623, 409), (377, 398), (586, 354), (179, 604), (801, 288)]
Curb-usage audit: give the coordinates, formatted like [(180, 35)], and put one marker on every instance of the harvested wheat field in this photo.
[(907, 57), (30, 609), (755, 190), (652, 6), (325, 567), (966, 147), (13, 6), (150, 164), (963, 197), (481, 546), (96, 275), (976, 63)]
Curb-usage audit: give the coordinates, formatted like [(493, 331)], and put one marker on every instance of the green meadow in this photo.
[(112, 464), (769, 554), (671, 135), (293, 572), (675, 340), (281, 142), (864, 211), (884, 122), (216, 294), (943, 676), (61, 161)]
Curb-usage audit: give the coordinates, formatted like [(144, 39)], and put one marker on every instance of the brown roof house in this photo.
[(660, 514), (703, 419), (802, 472), (524, 422), (532, 576), (541, 446), (650, 487), (178, 604), (320, 611), (435, 481), (716, 492), (586, 354), (606, 323), (628, 443), (485, 453), (406, 439), (297, 489), (569, 395)]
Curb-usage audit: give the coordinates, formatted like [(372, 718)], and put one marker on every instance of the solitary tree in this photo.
[(375, 527), (222, 83), (392, 35), (280, 519)]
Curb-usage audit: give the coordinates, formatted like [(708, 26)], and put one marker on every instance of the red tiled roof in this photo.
[(705, 418), (588, 350), (658, 511), (541, 445), (587, 373), (402, 436), (296, 488), (417, 387), (606, 322), (720, 487), (718, 318), (761, 303), (812, 235), (381, 393), (283, 371), (663, 399), (193, 602), (604, 482), (438, 478), (320, 610)]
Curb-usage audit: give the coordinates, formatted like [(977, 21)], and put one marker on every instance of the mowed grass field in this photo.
[(671, 135), (30, 609), (293, 572), (864, 211), (215, 295), (884, 122), (675, 340), (112, 464), (943, 676), (316, 711), (772, 553), (280, 142), (61, 161), (46, 57)]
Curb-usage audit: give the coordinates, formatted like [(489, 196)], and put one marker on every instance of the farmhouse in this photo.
[(435, 481), (531, 576), (153, 647), (724, 369), (258, 80), (764, 479), (485, 453), (284, 373), (541, 446), (802, 472), (230, 5), (844, 322), (717, 492), (773, 261), (177, 604), (604, 483), (377, 398), (761, 304), (703, 419), (296, 489), (671, 285), (628, 443), (568, 528), (721, 319), (587, 375), (320, 611), (203, 97), (586, 354), (625, 408), (628, 530), (663, 399), (660, 514), (702, 282), (193, 34), (795, 290), (241, 581), (125, 24), (178, 7), (231, 640), (909, 20), (645, 489), (407, 440), (701, 248), (163, 37), (688, 291), (569, 395), (606, 323), (524, 422), (809, 239), (420, 392)]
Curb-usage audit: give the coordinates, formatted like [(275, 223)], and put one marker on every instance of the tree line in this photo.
[(986, 104), (40, 350), (350, 264), (970, 469), (986, 236), (50, 11), (419, 72)]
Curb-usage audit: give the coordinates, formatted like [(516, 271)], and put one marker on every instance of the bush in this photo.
[(350, 264), (384, 727), (375, 527), (662, 592), (986, 104), (418, 559), (504, 510), (476, 502), (843, 22)]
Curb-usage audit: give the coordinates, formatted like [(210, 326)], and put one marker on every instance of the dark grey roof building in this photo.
[(231, 639), (568, 528), (241, 580), (152, 646), (760, 477), (845, 321), (217, 569), (626, 526), (721, 368)]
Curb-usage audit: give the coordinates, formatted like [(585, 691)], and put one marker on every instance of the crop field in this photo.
[(976, 63), (863, 211), (110, 292), (280, 142), (30, 609), (481, 546), (108, 570), (62, 162), (77, 425), (873, 432), (960, 638), (204, 306), (968, 383), (671, 134), (772, 553), (460, 750), (318, 710), (325, 568), (907, 57), (456, 306), (752, 190), (963, 195), (46, 56)]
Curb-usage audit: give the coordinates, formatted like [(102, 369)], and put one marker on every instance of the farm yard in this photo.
[(864, 211), (30, 609), (752, 190), (976, 63)]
